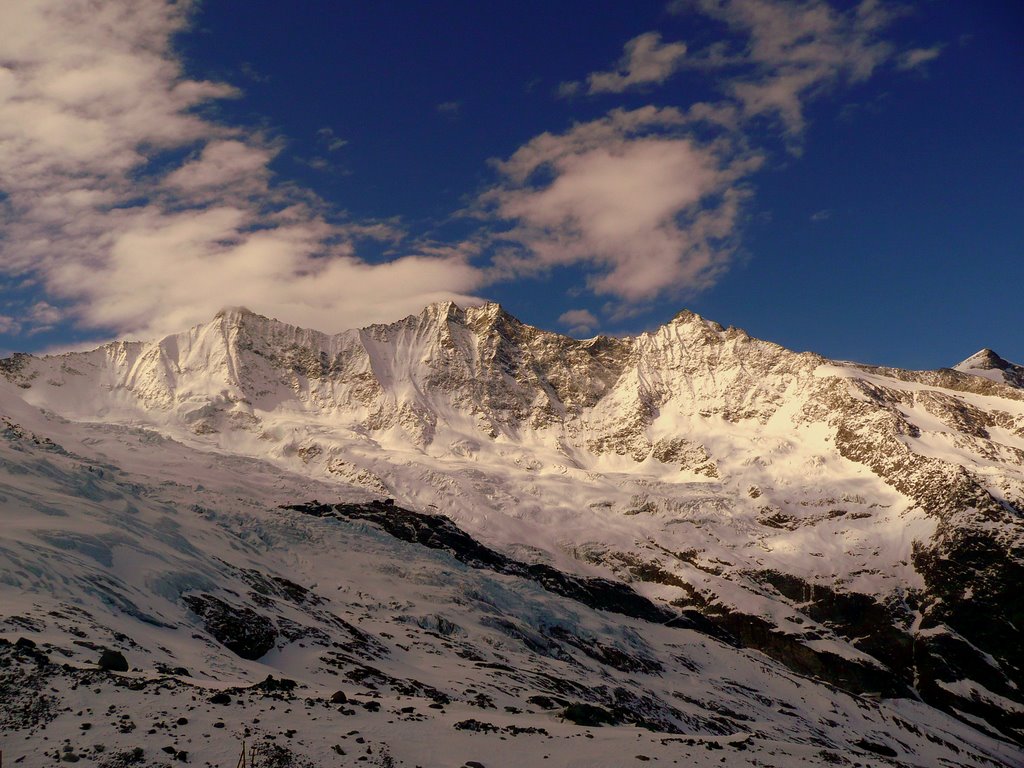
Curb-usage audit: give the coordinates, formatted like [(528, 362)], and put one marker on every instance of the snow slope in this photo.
[(857, 524), (111, 533)]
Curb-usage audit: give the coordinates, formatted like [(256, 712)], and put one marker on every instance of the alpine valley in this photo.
[(458, 540)]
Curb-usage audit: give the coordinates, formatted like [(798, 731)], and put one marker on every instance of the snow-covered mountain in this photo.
[(854, 524)]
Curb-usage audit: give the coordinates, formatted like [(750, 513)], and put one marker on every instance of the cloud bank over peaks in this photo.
[(123, 236)]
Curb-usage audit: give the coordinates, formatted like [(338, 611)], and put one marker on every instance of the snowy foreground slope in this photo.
[(823, 560)]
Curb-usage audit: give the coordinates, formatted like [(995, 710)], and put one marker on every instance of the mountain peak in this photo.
[(446, 308), (488, 308), (490, 315), (687, 317), (985, 359), (988, 364), (234, 311)]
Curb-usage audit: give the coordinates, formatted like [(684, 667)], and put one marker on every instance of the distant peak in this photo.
[(987, 364), (491, 310), (244, 320), (687, 317), (985, 359), (488, 312), (443, 310), (239, 316), (233, 312)]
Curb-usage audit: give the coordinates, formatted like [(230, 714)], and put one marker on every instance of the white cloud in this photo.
[(9, 326), (645, 60), (85, 85), (228, 164), (188, 263), (617, 125), (42, 313), (645, 210), (579, 321), (92, 95)]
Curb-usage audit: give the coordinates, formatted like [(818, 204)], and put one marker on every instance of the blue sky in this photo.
[(844, 178)]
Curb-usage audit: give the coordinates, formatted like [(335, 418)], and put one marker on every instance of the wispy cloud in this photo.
[(568, 89), (790, 51), (42, 316), (450, 109), (645, 61), (94, 109), (9, 326), (329, 139), (916, 57)]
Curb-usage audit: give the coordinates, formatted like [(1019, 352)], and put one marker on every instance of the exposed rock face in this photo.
[(970, 630), (238, 628), (681, 451), (113, 661), (438, 532)]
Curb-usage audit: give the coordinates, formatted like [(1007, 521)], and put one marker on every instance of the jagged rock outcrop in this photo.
[(238, 628)]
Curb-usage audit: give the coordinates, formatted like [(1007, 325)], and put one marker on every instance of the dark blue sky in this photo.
[(887, 227)]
